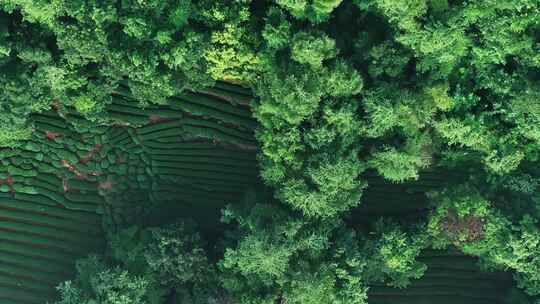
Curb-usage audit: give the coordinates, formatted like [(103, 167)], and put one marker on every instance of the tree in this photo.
[(465, 219)]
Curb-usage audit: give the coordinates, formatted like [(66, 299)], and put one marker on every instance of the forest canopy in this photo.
[(346, 95)]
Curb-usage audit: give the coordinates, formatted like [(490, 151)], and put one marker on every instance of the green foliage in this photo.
[(274, 254), (277, 255), (341, 89), (96, 283), (315, 167), (335, 182), (312, 49), (315, 11), (268, 242), (402, 14), (76, 54), (396, 165), (231, 58), (459, 217), (385, 59), (467, 220), (13, 135), (150, 264), (427, 80), (176, 256), (392, 254), (128, 246), (277, 29)]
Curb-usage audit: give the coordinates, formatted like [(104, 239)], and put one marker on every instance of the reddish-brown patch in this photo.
[(67, 188), (8, 181), (471, 226), (93, 152), (65, 185), (157, 119), (73, 169), (120, 159), (55, 105), (106, 185), (52, 135)]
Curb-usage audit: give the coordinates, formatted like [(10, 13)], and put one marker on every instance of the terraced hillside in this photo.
[(198, 150), (194, 154), (39, 241), (451, 276)]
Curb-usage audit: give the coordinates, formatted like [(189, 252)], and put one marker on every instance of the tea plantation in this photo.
[(269, 152)]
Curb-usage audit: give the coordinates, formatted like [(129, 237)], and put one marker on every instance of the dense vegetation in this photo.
[(351, 100)]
